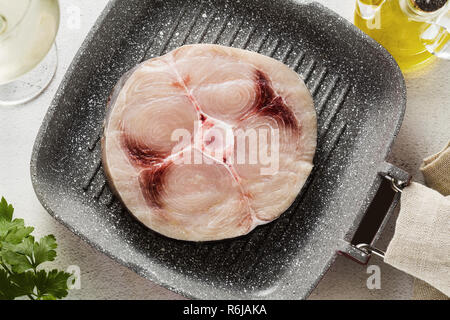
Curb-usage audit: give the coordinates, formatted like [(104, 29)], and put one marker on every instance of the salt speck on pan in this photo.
[(204, 15)]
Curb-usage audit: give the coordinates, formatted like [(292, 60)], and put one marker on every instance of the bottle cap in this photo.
[(429, 5)]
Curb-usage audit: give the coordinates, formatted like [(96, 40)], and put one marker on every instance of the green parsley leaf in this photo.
[(25, 281), (17, 235), (6, 210), (19, 263), (20, 256), (52, 284), (25, 247), (7, 226), (8, 290), (44, 250)]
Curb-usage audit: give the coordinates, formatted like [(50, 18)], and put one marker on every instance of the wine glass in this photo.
[(28, 55)]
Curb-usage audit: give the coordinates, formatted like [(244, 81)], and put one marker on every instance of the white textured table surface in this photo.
[(425, 130)]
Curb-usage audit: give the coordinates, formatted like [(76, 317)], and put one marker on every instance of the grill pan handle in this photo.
[(359, 245)]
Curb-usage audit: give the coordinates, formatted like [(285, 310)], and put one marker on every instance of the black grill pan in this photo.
[(359, 95)]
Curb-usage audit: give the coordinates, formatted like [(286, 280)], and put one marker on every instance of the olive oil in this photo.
[(399, 26)]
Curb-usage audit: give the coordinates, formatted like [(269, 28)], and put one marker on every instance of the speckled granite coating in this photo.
[(425, 131)]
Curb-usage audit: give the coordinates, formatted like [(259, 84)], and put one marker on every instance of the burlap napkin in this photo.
[(436, 170), (421, 242)]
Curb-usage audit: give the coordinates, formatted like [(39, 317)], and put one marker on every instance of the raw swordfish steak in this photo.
[(207, 142)]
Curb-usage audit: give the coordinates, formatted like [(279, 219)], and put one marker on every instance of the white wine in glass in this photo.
[(28, 57)]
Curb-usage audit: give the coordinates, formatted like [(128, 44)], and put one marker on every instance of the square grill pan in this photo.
[(359, 96)]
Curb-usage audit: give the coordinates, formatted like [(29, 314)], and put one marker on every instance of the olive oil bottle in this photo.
[(415, 32)]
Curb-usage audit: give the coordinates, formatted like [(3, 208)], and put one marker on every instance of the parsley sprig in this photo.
[(20, 259)]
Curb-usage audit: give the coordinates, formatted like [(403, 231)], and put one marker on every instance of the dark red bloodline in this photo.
[(277, 109), (268, 103), (141, 156), (151, 180), (152, 184), (264, 91)]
